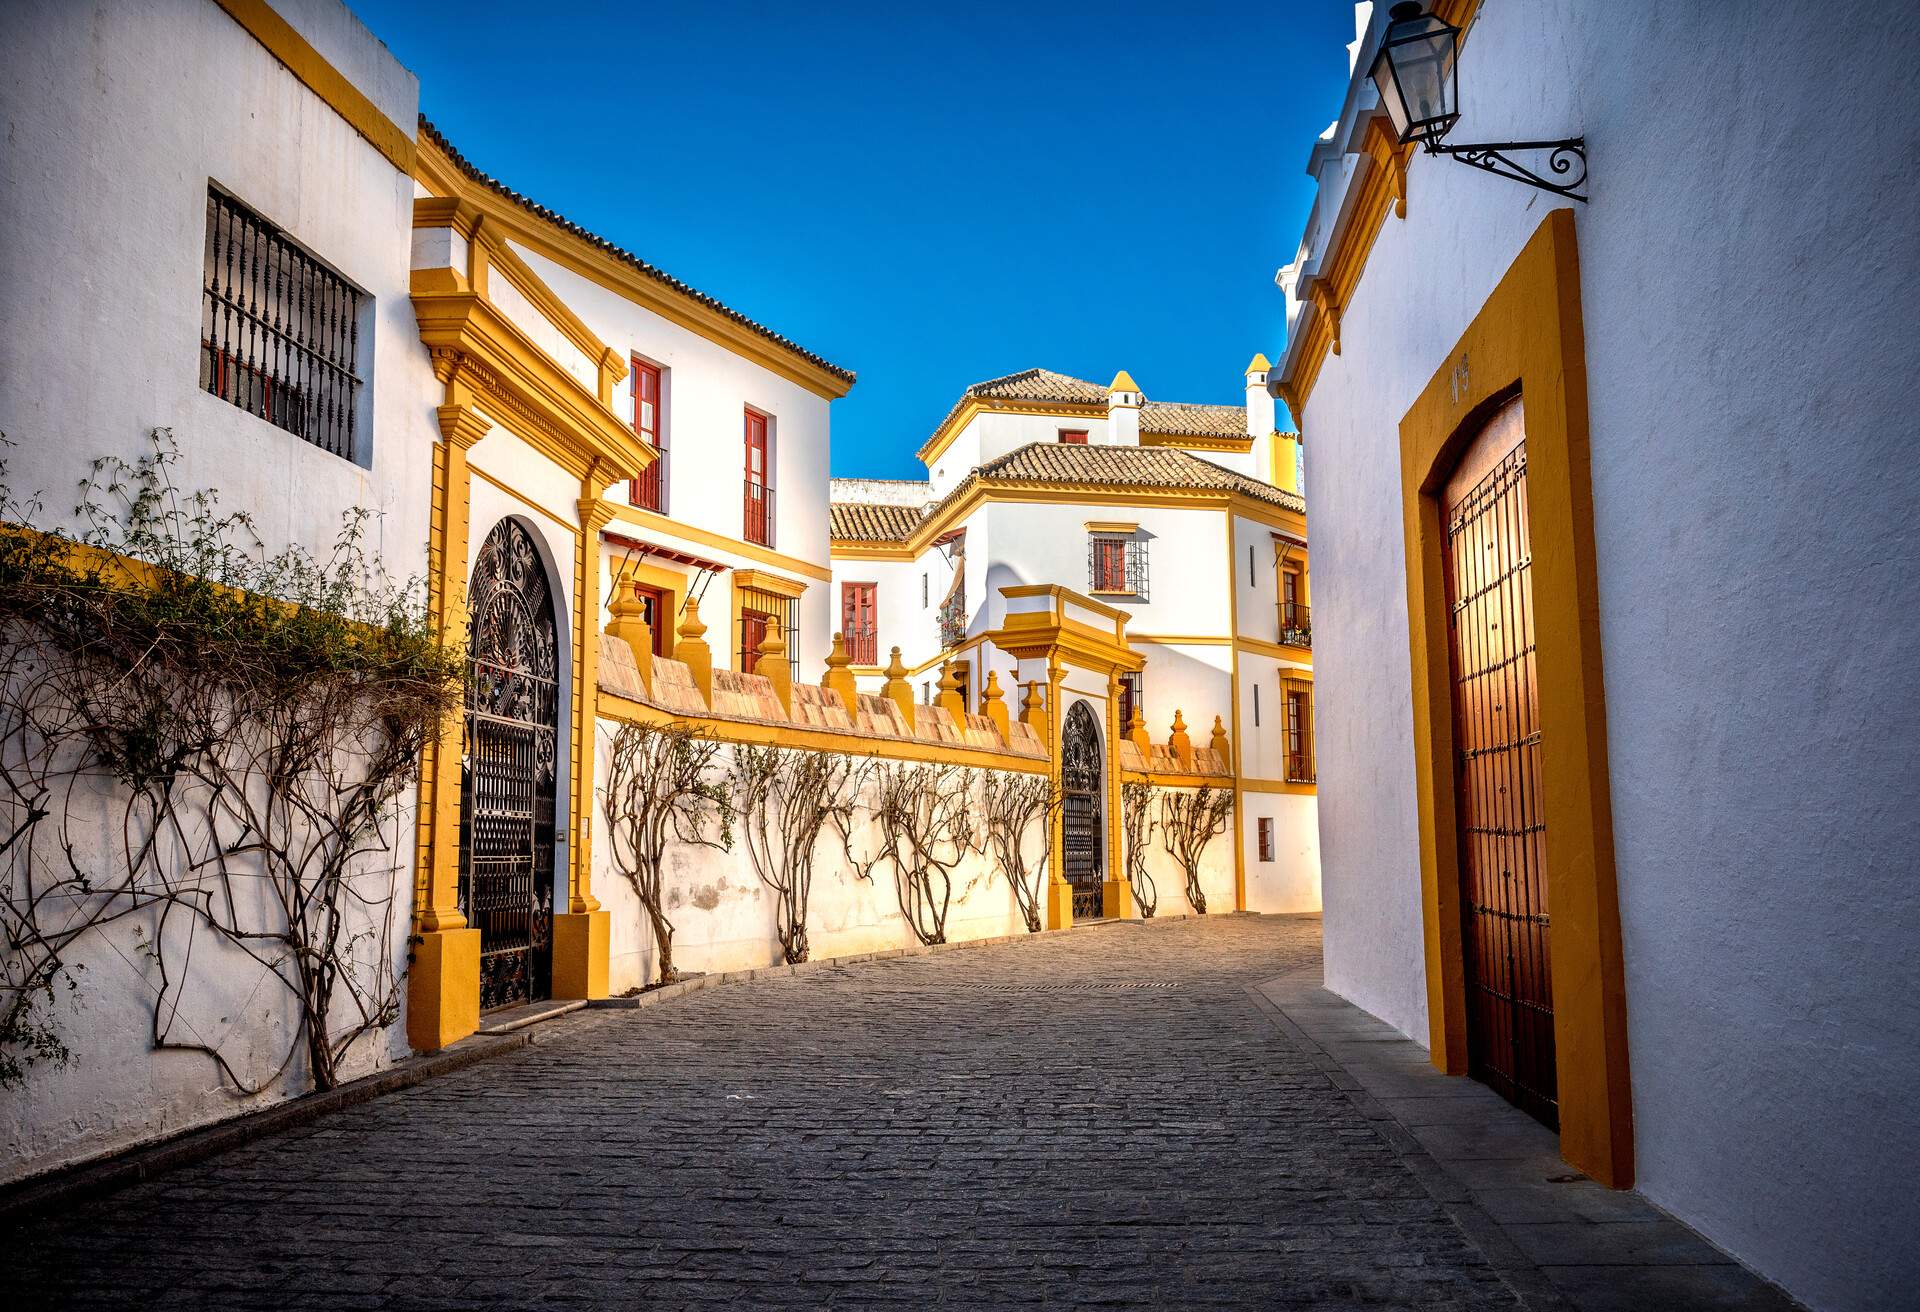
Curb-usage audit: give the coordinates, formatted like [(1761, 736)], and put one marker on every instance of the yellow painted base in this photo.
[(580, 955), (1059, 904), (1116, 899), (443, 988)]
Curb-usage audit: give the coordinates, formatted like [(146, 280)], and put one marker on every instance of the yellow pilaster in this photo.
[(1116, 897), (580, 934), (1059, 891), (443, 977)]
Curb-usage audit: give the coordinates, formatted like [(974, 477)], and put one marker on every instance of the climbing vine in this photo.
[(1188, 822), (211, 743), (785, 799), (1011, 804), (927, 826), (661, 789), (1136, 822)]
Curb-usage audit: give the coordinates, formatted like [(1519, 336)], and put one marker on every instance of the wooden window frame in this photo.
[(649, 492), (859, 652), (1263, 831), (1073, 436)]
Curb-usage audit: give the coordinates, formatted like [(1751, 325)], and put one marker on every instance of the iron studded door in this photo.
[(508, 774), (1081, 774), (1510, 1043)]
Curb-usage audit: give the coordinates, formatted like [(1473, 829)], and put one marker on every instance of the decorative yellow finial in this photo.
[(898, 690), (993, 705), (630, 626), (692, 650), (839, 680), (1179, 743), (951, 701), (1219, 744), (1033, 712), (1137, 732), (772, 666)]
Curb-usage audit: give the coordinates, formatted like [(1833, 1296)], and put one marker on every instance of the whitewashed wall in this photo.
[(1748, 281), (725, 918), (1170, 881), (118, 115)]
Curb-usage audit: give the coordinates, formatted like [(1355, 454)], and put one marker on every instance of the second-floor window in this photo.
[(1117, 564), (648, 491), (759, 485), (279, 331), (1074, 436), (857, 622), (1299, 733)]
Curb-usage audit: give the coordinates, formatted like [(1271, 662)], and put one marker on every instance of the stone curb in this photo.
[(98, 1176)]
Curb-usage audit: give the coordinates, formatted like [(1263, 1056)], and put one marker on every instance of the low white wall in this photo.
[(1291, 881), (1170, 881)]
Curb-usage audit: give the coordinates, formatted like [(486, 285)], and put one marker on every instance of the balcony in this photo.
[(644, 492), (1296, 624), (1299, 768), (863, 644), (758, 525), (953, 619)]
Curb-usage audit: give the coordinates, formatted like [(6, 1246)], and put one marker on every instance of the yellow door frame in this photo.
[(1528, 339)]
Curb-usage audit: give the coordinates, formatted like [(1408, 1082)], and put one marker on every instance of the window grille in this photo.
[(1130, 698), (1299, 734), (758, 611), (1265, 827), (953, 617), (279, 331), (1117, 564)]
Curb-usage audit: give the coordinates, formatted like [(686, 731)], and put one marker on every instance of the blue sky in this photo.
[(927, 195)]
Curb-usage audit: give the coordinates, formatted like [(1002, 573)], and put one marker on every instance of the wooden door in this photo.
[(857, 623), (1496, 727)]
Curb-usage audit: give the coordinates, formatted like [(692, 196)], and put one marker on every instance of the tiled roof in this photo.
[(852, 521), (461, 162), (1183, 419), (1134, 466), (1029, 385)]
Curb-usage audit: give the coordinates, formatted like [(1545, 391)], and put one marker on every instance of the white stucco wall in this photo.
[(1748, 304), (117, 118)]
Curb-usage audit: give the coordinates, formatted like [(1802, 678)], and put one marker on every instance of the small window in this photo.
[(1074, 436), (1117, 564), (1130, 699), (1264, 826), (656, 608), (1299, 734), (648, 491), (925, 593), (1256, 705), (279, 331)]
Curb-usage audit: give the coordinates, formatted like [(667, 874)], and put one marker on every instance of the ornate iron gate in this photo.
[(1497, 737), (508, 771), (1080, 779)]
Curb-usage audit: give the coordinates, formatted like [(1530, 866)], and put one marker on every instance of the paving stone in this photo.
[(1637, 1289)]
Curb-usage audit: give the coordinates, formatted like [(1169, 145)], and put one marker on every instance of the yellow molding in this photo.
[(690, 533), (1199, 442), (1239, 742), (1275, 650), (934, 447), (313, 71), (1181, 640), (1277, 786), (1175, 780), (435, 171), (761, 581), (1061, 594), (1527, 339), (1112, 526), (613, 706)]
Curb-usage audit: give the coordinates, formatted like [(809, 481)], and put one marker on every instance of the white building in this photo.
[(1714, 364), (1182, 522)]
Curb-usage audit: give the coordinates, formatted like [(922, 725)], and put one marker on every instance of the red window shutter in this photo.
[(1074, 436), (644, 491), (753, 632), (848, 611), (1110, 573)]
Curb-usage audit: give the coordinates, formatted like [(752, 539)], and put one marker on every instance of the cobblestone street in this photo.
[(1099, 1118)]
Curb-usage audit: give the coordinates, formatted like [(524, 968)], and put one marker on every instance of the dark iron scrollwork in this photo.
[(1566, 161), (1081, 771)]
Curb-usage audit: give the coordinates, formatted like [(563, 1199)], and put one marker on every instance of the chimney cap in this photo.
[(1259, 364), (1122, 382)]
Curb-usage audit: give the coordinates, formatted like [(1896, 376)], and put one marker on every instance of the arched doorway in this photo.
[(510, 766), (1082, 772), (1496, 734)]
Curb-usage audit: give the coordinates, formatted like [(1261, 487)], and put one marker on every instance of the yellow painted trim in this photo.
[(1122, 382), (955, 424), (1062, 594), (1199, 442), (1112, 526), (581, 758), (311, 68), (761, 581), (613, 706), (1277, 786), (1176, 780), (435, 171), (1239, 745), (520, 497), (1180, 640), (1528, 338), (1278, 651), (674, 528)]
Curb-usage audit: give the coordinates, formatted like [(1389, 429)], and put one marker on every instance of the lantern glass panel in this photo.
[(1415, 75)]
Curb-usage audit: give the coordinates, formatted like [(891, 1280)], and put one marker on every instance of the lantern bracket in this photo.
[(1566, 160)]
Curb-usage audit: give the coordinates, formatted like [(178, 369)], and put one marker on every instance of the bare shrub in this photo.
[(1136, 821), (925, 815), (785, 799), (1012, 803), (1188, 822)]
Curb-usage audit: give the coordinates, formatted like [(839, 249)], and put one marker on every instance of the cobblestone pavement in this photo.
[(1102, 1118)]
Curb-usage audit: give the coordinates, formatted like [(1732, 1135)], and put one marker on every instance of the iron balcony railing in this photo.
[(759, 513), (1299, 768), (863, 645), (953, 619), (1296, 624), (644, 492)]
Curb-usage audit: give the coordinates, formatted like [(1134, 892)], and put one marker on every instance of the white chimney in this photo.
[(1259, 403), (1124, 400)]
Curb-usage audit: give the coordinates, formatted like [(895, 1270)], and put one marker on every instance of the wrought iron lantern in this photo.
[(1418, 77)]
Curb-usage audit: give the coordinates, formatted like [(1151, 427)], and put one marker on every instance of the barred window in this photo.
[(760, 611), (1117, 564), (279, 331)]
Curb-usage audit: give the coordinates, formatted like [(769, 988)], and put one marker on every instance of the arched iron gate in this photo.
[(1081, 775), (509, 768)]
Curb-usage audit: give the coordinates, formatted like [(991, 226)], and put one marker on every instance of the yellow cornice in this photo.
[(1061, 595), (1172, 780), (1196, 442), (934, 447), (435, 171), (660, 524), (1112, 526), (1092, 494), (313, 71), (1275, 651), (613, 706), (1181, 639), (760, 581), (1277, 786), (485, 359)]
